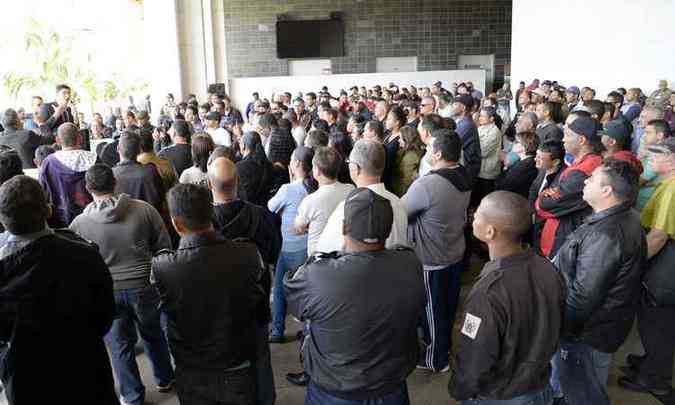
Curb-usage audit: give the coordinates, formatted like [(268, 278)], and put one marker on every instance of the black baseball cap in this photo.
[(368, 216), (615, 129), (465, 99), (586, 126), (213, 116)]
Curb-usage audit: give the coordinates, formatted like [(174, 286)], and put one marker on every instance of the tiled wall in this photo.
[(435, 31)]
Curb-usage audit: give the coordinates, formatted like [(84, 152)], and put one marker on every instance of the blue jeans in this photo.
[(317, 396), (288, 261), (137, 308), (583, 374), (543, 397), (555, 376), (442, 288)]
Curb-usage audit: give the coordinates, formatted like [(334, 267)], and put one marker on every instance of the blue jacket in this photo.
[(467, 131)]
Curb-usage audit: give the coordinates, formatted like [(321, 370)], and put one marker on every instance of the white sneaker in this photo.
[(444, 370), (166, 388)]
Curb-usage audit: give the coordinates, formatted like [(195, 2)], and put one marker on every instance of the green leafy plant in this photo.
[(50, 63)]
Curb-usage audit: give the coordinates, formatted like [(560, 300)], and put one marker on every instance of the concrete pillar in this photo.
[(219, 43), (201, 39), (186, 47)]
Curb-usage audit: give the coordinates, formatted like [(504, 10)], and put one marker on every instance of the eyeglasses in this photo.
[(352, 162)]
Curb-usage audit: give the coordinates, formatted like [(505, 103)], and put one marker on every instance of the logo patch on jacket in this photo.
[(471, 325)]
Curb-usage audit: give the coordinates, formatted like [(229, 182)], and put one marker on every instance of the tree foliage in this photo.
[(51, 63)]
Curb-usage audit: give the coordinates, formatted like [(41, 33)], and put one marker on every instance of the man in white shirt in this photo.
[(219, 135), (316, 208), (366, 164), (445, 109)]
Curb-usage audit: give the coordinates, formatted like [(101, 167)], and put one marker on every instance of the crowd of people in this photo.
[(357, 216)]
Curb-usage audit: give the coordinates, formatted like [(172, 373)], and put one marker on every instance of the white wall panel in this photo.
[(242, 88), (604, 44)]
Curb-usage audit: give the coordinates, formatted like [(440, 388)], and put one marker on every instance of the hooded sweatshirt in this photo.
[(240, 219), (128, 233), (435, 227), (62, 177)]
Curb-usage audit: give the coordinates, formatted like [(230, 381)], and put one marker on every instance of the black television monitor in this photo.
[(310, 39)]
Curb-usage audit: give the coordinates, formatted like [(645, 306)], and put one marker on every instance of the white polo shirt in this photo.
[(332, 239)]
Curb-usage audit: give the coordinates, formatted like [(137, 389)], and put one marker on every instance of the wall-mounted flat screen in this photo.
[(310, 39)]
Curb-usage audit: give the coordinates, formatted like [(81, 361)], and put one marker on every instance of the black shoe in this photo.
[(559, 401), (629, 371), (276, 339), (634, 361), (638, 384), (300, 379)]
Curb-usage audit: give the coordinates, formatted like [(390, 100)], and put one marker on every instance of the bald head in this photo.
[(69, 135), (502, 215), (223, 178)]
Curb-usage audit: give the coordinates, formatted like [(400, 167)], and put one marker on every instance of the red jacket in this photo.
[(628, 157), (564, 211)]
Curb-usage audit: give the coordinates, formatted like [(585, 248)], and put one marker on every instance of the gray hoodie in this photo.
[(128, 233)]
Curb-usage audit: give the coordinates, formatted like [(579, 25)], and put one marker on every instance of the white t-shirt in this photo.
[(446, 112), (220, 136), (299, 135), (332, 239), (194, 175), (425, 166), (316, 208)]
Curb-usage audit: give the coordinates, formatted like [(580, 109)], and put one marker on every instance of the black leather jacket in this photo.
[(363, 309), (602, 263), (24, 142), (210, 293), (56, 299)]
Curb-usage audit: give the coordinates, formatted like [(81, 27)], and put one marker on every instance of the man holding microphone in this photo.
[(58, 111)]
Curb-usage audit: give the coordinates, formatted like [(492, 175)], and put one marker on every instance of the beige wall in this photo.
[(191, 34), (162, 52)]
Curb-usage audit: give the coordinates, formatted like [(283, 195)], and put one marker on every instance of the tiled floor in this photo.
[(425, 388)]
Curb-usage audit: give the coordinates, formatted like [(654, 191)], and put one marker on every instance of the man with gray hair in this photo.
[(527, 122), (659, 98), (427, 106), (366, 165), (23, 141), (648, 114)]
